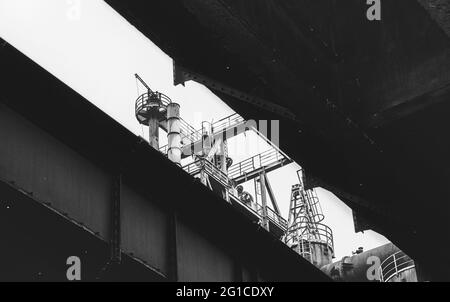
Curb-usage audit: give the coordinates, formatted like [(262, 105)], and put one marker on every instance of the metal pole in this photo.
[(153, 128), (262, 183), (173, 133)]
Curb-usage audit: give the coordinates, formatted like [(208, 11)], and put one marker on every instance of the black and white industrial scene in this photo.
[(224, 141)]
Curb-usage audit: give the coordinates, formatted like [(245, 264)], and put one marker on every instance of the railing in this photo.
[(307, 203), (271, 214), (143, 100), (394, 265), (317, 232), (227, 122), (259, 161), (314, 205), (198, 166), (275, 218), (187, 131), (164, 149), (223, 125), (251, 164), (148, 100), (204, 165)]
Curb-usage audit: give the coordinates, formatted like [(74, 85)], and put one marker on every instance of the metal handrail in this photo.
[(317, 233), (273, 216), (222, 125), (310, 204), (189, 132), (257, 209), (394, 265), (148, 100), (197, 166), (227, 122), (251, 164), (142, 100), (276, 218)]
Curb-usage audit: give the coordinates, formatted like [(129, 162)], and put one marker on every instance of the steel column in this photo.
[(153, 128)]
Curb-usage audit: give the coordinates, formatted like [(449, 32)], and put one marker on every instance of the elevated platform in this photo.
[(230, 126), (252, 167), (148, 101), (278, 225)]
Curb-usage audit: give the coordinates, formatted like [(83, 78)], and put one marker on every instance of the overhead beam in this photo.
[(182, 75)]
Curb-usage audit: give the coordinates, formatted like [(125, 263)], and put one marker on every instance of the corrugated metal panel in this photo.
[(145, 230), (199, 260), (39, 164)]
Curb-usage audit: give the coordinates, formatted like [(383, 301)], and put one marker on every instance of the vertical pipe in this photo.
[(153, 128), (173, 133)]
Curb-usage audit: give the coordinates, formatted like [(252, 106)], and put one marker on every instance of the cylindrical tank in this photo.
[(318, 252), (173, 133), (409, 275), (321, 253), (398, 267), (365, 266)]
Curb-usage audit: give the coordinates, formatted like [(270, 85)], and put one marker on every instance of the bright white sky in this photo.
[(91, 48)]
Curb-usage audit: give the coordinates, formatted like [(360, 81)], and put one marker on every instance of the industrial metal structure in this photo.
[(306, 234), (363, 104), (94, 190), (386, 263), (398, 267), (211, 163)]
